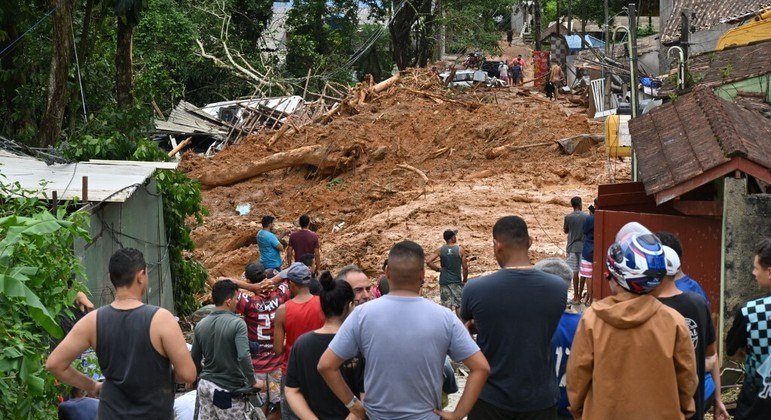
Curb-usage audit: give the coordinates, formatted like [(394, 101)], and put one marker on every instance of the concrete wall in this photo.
[(745, 221)]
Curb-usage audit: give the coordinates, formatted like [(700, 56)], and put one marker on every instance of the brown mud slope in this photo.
[(417, 123)]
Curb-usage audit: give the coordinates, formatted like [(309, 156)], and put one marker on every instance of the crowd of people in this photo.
[(289, 341)]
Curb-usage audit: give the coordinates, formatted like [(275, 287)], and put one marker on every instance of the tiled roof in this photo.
[(726, 66), (708, 14), (699, 131)]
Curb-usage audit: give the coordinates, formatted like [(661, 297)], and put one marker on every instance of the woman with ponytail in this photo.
[(307, 393)]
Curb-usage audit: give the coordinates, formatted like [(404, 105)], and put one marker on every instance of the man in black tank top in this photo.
[(140, 349)]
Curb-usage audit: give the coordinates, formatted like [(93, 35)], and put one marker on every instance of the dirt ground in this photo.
[(446, 134)]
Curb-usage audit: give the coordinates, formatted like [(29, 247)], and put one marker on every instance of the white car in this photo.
[(465, 78)]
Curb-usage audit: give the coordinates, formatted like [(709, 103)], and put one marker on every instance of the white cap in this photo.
[(673, 261)]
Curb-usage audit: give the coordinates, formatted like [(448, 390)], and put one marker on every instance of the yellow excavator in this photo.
[(758, 29)]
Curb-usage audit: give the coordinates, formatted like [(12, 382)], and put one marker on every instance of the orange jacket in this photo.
[(632, 358)]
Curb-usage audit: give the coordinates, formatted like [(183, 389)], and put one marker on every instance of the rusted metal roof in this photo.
[(687, 138), (730, 65), (708, 14)]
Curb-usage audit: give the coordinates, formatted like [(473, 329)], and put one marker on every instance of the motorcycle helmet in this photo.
[(637, 262)]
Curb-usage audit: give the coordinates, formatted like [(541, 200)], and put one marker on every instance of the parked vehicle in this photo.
[(491, 67), (465, 78)]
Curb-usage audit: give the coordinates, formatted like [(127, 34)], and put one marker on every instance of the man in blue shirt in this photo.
[(270, 247), (562, 340), (78, 407), (682, 280)]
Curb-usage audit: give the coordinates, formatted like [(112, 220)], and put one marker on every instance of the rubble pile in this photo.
[(406, 158)]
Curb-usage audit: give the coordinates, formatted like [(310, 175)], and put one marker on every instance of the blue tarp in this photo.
[(574, 42)]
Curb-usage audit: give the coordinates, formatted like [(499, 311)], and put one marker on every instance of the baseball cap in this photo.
[(673, 261), (449, 233), (298, 273)]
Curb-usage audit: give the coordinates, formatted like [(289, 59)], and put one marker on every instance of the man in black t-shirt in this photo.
[(515, 311), (696, 313)]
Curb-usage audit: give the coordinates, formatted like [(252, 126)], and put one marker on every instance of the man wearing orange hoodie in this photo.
[(632, 356)]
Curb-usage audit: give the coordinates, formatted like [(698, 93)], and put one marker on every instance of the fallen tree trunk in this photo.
[(387, 83), (502, 150), (323, 158)]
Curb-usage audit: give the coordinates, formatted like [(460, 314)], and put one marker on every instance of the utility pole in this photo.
[(537, 24), (633, 57), (559, 18), (605, 73), (633, 75), (441, 35)]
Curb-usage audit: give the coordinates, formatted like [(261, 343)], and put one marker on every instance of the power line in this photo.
[(31, 28)]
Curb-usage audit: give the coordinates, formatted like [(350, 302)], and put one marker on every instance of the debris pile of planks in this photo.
[(222, 123)]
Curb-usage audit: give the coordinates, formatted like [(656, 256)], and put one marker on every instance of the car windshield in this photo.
[(464, 77)]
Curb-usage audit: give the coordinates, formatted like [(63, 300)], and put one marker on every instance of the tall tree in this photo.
[(537, 24), (56, 101), (127, 13)]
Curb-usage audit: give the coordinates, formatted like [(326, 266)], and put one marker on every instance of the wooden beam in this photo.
[(699, 208)]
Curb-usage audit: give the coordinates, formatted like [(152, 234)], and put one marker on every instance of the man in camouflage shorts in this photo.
[(453, 269)]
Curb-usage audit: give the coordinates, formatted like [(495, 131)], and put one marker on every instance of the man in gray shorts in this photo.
[(453, 270), (574, 227)]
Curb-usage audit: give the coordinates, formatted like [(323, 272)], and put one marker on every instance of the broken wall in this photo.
[(747, 221)]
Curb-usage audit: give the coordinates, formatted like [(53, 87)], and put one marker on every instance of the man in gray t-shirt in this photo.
[(404, 338), (574, 227)]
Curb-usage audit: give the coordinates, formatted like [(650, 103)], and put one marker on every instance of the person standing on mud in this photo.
[(573, 226), (453, 270), (137, 347), (270, 247), (556, 76), (516, 311), (303, 242)]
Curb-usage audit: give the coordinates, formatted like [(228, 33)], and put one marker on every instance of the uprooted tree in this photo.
[(325, 159)]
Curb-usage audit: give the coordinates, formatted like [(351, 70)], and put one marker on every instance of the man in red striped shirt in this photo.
[(259, 312)]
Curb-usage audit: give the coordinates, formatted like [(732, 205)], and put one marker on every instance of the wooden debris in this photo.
[(502, 150), (415, 170), (180, 146), (323, 158)]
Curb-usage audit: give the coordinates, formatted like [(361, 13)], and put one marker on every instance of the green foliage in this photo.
[(726, 70), (321, 35), (334, 183), (693, 78), (377, 60), (472, 24), (37, 260), (646, 30), (182, 199)]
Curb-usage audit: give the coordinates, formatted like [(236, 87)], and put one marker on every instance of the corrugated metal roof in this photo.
[(107, 181), (699, 131), (708, 14)]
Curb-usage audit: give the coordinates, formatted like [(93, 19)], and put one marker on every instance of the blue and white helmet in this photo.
[(637, 262)]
